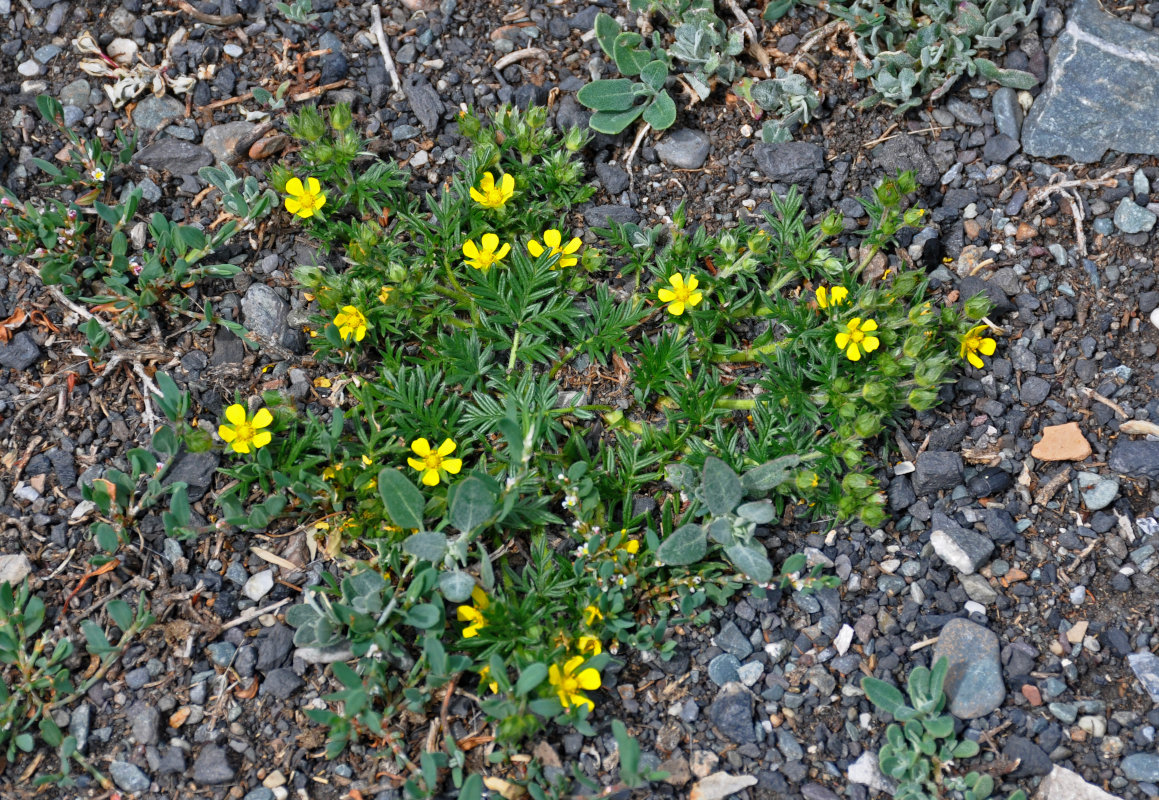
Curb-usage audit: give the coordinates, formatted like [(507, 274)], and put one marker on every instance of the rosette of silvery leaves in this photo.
[(131, 75)]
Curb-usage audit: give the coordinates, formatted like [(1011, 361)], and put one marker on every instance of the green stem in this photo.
[(746, 356), (514, 350), (573, 409), (736, 404)]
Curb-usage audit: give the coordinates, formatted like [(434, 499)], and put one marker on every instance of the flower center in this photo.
[(856, 335), (495, 197), (307, 200), (245, 432), (486, 258), (682, 293), (433, 460)]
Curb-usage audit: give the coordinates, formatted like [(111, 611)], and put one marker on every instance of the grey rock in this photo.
[(79, 724), (334, 64), (815, 791), (1132, 218), (172, 762), (221, 653), (1034, 390), (20, 353), (282, 683), (790, 162), (76, 93), (274, 647), (978, 589), (212, 766), (259, 585), (424, 101), (865, 770), (789, 746), (974, 683), (724, 669), (603, 216), (324, 655), (29, 68), (222, 140), (129, 777), (154, 113), (137, 678), (1146, 668), (121, 21), (146, 723), (14, 567), (612, 176), (1098, 492), (72, 116), (1031, 759), (1137, 458), (174, 156), (732, 714), (731, 640), (683, 148), (260, 793), (999, 148), (905, 153), (935, 470), (1061, 783), (964, 550), (964, 112), (1102, 93), (1141, 767), (196, 470), (266, 314), (1007, 112)]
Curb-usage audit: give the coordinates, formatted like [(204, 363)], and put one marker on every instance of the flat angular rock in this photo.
[(213, 766), (683, 149), (865, 770), (174, 156), (1146, 667), (790, 162), (964, 550), (14, 568), (974, 679), (1062, 443), (720, 785), (424, 101), (20, 353), (1102, 93), (732, 713), (1137, 458), (265, 313), (222, 140), (1062, 784), (935, 470), (905, 153)]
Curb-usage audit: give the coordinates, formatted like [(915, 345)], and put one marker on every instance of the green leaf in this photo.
[(472, 788), (654, 75), (530, 677), (770, 474), (607, 29), (966, 749), (346, 676), (423, 616), (50, 108), (941, 727), (120, 614), (191, 237), (629, 749), (109, 215), (661, 112), (51, 732), (630, 59), (426, 545), (794, 564), (302, 614), (761, 512), (613, 122), (720, 486), (685, 545), (456, 586), (883, 695), (472, 505), (617, 94), (165, 441), (106, 537), (25, 742), (404, 502), (751, 561)]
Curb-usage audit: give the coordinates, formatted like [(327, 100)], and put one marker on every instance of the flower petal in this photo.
[(319, 201), (262, 438), (691, 283), (294, 187), (507, 185), (695, 298), (974, 360), (240, 446), (421, 447), (263, 418), (853, 353), (589, 679), (446, 448), (869, 325), (306, 213), (839, 294), (677, 281), (987, 347), (292, 205), (502, 251), (417, 464), (573, 245), (431, 477), (477, 196), (552, 238), (572, 664), (452, 465), (470, 250), (822, 299), (870, 343), (535, 248), (488, 182), (236, 414), (676, 308), (666, 295), (226, 433), (490, 242), (313, 186), (480, 597), (842, 340)]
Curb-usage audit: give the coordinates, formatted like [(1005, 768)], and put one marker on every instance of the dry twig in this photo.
[(208, 19), (380, 37)]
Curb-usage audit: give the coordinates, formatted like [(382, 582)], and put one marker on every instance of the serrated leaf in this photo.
[(720, 487), (426, 545), (685, 545), (404, 502)]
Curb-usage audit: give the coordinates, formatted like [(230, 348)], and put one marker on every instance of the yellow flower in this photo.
[(856, 338), (487, 253), (591, 614), (474, 614), (484, 680), (304, 201), (568, 683), (243, 432), (489, 195), (683, 293), (553, 239), (632, 546), (589, 646), (832, 297), (384, 293), (430, 462), (350, 322), (974, 343)]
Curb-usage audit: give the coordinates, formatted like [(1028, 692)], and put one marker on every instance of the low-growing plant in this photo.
[(922, 745), (788, 99)]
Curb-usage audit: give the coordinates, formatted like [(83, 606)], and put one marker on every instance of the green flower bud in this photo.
[(340, 117), (469, 125), (913, 217), (928, 374), (574, 140), (867, 425), (833, 223), (308, 124), (907, 182), (856, 482), (905, 283), (922, 399), (807, 480), (874, 392), (758, 243), (978, 306), (872, 514), (914, 345), (679, 217), (887, 194)]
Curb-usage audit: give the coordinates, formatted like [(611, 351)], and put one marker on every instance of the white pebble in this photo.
[(259, 585), (29, 68), (233, 50)]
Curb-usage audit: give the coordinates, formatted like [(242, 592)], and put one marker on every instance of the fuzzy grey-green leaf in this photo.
[(685, 545), (721, 487)]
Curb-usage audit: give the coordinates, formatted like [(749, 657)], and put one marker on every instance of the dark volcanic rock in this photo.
[(935, 470), (1137, 458), (790, 162)]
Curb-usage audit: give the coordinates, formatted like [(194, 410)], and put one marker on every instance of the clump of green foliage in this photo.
[(918, 55), (922, 746)]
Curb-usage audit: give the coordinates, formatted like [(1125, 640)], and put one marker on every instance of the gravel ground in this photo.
[(1023, 534)]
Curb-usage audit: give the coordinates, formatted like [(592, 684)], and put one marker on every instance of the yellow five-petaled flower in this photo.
[(431, 462), (591, 614), (350, 323), (553, 240), (856, 338), (474, 614), (304, 201), (492, 195), (974, 343), (589, 646), (568, 683), (832, 297), (682, 294), (244, 432), (487, 253)]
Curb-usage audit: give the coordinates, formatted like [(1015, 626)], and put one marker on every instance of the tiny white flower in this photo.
[(98, 174), (510, 481)]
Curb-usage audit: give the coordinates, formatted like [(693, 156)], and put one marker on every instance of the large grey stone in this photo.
[(174, 156), (14, 568), (905, 153), (1137, 458), (1146, 667), (1062, 784), (935, 470), (265, 313), (213, 766), (19, 353), (683, 149), (222, 140), (129, 777), (964, 550), (1141, 767), (974, 678), (790, 162), (1102, 93), (154, 113)]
